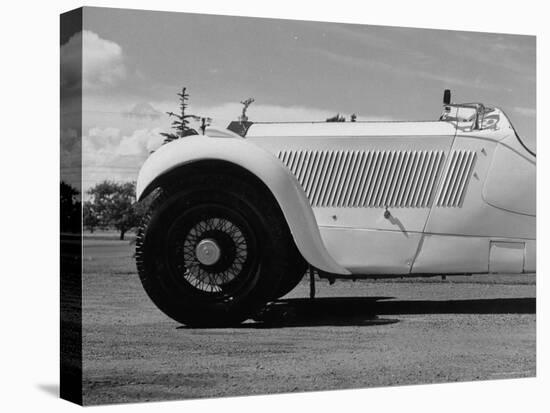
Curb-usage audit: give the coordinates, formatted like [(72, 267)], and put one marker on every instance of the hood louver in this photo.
[(366, 178)]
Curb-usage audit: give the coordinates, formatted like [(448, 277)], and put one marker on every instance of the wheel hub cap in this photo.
[(208, 252)]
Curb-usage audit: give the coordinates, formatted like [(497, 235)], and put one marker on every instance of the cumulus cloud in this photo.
[(100, 62), (71, 62), (102, 146), (71, 156), (108, 154), (115, 146)]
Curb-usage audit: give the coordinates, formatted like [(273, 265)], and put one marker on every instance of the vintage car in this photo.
[(236, 219)]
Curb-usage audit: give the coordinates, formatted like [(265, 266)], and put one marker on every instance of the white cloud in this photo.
[(71, 62), (106, 146), (115, 146), (107, 154), (71, 156), (100, 62)]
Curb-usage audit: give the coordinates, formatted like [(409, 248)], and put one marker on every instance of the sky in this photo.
[(134, 63)]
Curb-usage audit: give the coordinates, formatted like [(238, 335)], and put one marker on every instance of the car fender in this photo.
[(279, 180)]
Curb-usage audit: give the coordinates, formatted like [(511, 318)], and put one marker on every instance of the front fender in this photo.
[(280, 181)]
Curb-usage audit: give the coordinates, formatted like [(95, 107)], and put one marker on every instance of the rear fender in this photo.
[(277, 178)]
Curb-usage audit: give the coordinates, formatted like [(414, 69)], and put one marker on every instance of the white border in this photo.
[(29, 207)]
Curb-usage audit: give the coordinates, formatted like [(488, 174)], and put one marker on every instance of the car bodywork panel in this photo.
[(388, 198), (511, 169), (352, 172)]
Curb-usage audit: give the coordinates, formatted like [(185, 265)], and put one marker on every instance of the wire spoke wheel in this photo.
[(211, 249)]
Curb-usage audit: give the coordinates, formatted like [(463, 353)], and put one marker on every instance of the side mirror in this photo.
[(447, 97)]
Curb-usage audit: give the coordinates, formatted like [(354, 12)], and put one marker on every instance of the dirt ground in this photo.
[(362, 334)]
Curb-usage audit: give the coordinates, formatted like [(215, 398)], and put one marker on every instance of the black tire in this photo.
[(293, 276), (242, 226)]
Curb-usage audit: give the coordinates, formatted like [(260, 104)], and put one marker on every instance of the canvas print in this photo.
[(257, 206)]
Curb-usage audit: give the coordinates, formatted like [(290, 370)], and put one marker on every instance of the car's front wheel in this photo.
[(213, 250)]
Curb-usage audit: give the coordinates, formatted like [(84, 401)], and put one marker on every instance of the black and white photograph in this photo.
[(260, 206)]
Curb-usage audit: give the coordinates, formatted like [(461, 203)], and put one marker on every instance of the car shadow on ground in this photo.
[(333, 311), (367, 311)]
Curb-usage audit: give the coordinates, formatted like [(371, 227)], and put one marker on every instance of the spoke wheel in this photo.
[(213, 250)]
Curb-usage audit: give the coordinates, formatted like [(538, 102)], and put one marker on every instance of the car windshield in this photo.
[(490, 119), (465, 117)]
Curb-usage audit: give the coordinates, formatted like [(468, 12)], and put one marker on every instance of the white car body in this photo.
[(369, 199)]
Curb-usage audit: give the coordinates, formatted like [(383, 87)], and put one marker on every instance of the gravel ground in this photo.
[(362, 334)]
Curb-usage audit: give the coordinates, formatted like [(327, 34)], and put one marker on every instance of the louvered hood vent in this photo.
[(457, 174), (368, 178)]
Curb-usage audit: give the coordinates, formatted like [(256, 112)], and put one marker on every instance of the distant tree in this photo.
[(115, 205), (90, 217), (353, 117), (69, 208), (336, 118), (181, 123)]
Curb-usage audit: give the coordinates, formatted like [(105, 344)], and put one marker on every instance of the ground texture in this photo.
[(362, 334)]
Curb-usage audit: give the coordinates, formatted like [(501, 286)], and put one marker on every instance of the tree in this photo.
[(69, 208), (181, 123), (90, 217), (336, 118), (114, 204)]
